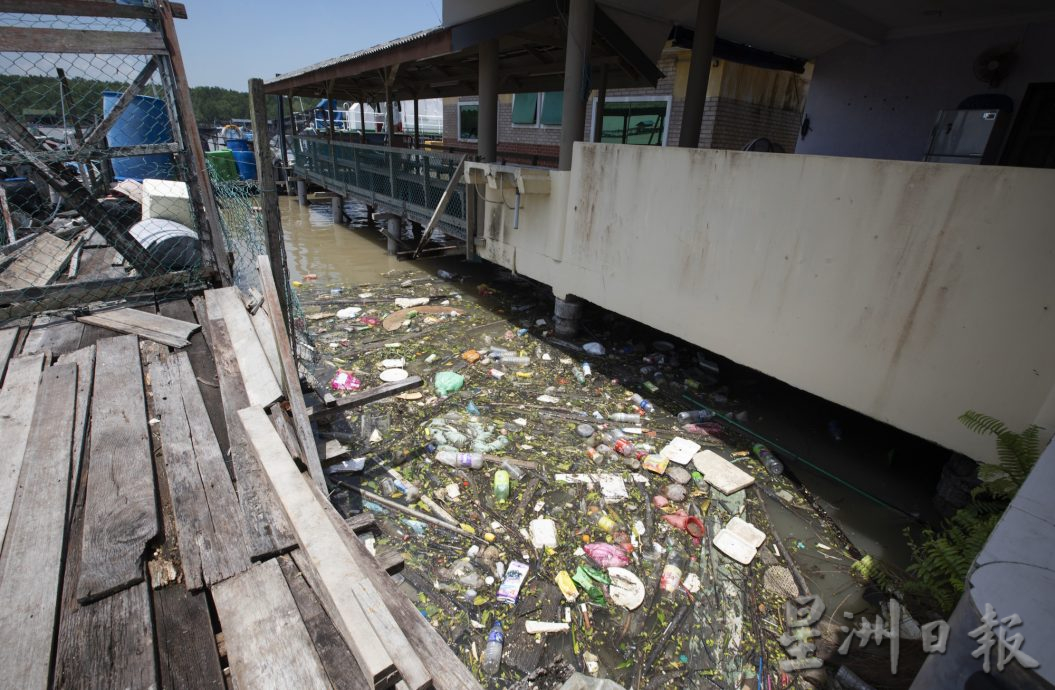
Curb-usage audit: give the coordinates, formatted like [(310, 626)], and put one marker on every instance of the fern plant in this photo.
[(942, 558)]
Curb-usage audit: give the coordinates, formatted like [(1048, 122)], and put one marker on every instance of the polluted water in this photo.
[(554, 507)]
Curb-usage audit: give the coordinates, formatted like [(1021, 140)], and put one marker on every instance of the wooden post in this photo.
[(282, 138), (265, 171), (9, 223), (417, 125), (200, 187)]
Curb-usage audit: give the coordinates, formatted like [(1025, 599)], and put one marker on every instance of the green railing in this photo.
[(405, 181)]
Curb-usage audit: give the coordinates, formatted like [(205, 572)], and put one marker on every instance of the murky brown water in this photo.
[(346, 254)]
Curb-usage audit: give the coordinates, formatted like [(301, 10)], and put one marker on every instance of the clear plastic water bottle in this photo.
[(642, 403), (515, 360), (695, 416), (580, 377), (773, 466), (454, 459), (493, 650), (515, 472), (624, 418)]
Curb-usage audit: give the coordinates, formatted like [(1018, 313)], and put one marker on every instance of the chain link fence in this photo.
[(97, 194)]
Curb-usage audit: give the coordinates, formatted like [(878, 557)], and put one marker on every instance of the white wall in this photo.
[(910, 292), (881, 101)]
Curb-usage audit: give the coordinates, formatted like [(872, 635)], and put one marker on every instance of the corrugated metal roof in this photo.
[(379, 48)]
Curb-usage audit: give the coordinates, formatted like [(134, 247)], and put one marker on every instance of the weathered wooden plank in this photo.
[(17, 401), (84, 358), (262, 326), (35, 40), (41, 261), (449, 672), (209, 522), (32, 558), (121, 510), (290, 377), (268, 528), (259, 382), (8, 336), (88, 8), (375, 639), (108, 644), (267, 643), (57, 337), (285, 430), (161, 329), (350, 402), (341, 667), (186, 643)]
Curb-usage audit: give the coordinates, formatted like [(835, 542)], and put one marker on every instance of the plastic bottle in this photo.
[(623, 417), (493, 650), (515, 360), (642, 403), (695, 416), (514, 472), (773, 466), (624, 448), (604, 521), (580, 377), (471, 460), (501, 486), (672, 572)]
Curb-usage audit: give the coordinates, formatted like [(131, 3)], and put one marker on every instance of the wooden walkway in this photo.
[(157, 531)]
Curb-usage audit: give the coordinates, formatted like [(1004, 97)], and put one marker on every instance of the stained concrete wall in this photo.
[(910, 292), (881, 101)]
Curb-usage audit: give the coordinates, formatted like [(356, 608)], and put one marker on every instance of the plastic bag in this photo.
[(448, 382)]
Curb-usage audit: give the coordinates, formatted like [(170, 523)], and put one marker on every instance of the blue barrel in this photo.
[(237, 144), (144, 121), (246, 162)]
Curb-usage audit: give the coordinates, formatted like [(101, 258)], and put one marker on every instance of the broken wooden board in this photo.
[(210, 526), (17, 401), (337, 659), (268, 529), (262, 326), (8, 336), (161, 329), (31, 565), (186, 644), (39, 263), (393, 321), (120, 510), (259, 381), (720, 473), (57, 336), (376, 640), (84, 358), (267, 643), (360, 398)]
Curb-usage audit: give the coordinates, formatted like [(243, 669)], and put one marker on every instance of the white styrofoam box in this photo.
[(168, 200)]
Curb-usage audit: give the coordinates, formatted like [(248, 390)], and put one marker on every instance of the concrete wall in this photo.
[(910, 292), (881, 101)]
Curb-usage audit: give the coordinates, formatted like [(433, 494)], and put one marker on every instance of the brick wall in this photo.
[(733, 124)]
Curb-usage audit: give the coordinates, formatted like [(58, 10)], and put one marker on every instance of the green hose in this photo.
[(798, 458)]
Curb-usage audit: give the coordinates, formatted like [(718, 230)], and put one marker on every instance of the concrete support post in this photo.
[(566, 315), (699, 72), (395, 224), (302, 192), (337, 209), (487, 118), (362, 120), (576, 69), (417, 126)]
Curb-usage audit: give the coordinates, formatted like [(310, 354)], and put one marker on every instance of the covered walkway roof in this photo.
[(444, 61)]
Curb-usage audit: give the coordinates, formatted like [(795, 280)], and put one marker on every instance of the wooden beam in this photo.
[(37, 299), (291, 378), (31, 566), (342, 586), (160, 329), (622, 45), (260, 385), (34, 40), (17, 400), (87, 8), (350, 402), (97, 134), (456, 179), (186, 645), (84, 358)]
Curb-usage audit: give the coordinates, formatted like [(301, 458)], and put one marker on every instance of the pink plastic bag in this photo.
[(606, 555), (344, 381)]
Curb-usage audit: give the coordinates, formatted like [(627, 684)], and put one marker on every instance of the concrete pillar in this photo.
[(302, 192), (389, 116), (578, 42), (566, 315), (417, 126), (337, 209), (487, 119), (602, 93), (699, 72), (395, 225)]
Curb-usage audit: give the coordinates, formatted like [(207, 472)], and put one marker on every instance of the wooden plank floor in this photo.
[(143, 490)]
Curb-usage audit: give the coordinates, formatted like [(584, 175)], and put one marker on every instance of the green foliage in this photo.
[(941, 558)]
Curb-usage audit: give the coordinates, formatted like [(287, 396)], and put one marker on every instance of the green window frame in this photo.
[(552, 108), (525, 109), (468, 120)]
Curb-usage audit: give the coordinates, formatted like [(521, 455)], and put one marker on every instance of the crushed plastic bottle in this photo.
[(773, 465), (642, 403), (514, 472), (695, 416), (471, 460), (493, 651)]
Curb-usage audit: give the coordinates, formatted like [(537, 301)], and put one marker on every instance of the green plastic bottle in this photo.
[(501, 485)]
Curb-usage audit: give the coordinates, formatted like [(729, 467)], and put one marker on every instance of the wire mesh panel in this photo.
[(408, 181), (97, 189)]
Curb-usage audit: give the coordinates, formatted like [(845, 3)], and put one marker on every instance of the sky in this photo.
[(225, 43)]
